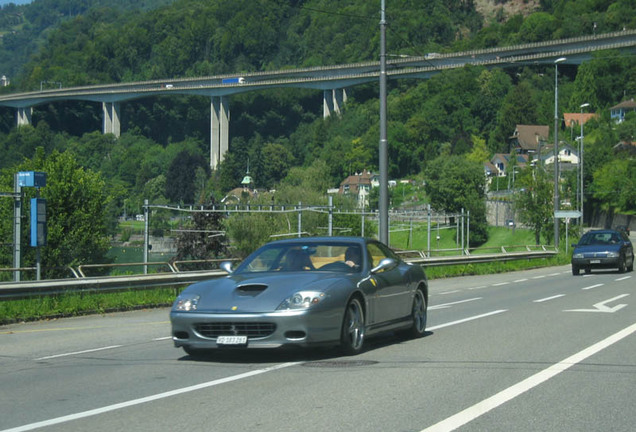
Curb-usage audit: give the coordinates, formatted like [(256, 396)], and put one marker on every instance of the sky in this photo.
[(18, 2)]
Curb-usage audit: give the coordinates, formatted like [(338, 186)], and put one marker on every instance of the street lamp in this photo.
[(383, 147), (585, 105), (556, 149)]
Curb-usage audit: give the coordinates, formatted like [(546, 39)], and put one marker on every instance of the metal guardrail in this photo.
[(25, 289), (505, 253)]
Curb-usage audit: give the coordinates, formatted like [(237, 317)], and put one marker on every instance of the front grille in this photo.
[(251, 330)]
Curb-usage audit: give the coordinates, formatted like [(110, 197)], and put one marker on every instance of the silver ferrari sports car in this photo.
[(304, 291)]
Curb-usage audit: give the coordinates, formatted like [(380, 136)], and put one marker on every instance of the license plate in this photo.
[(595, 261), (231, 340)]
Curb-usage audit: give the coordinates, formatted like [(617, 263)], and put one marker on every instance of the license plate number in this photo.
[(595, 261), (231, 340)]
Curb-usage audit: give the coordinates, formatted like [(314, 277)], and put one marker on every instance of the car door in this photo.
[(392, 299)]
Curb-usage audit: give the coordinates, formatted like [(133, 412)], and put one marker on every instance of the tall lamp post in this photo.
[(383, 152), (556, 149), (585, 105)]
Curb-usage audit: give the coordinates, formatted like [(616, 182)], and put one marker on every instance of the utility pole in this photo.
[(383, 152), (556, 149)]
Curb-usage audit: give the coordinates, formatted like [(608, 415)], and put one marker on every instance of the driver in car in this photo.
[(352, 257)]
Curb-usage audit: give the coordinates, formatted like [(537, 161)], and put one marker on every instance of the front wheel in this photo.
[(575, 270), (621, 265), (353, 330), (418, 315)]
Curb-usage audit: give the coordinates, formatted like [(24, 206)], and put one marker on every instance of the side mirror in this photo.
[(227, 266), (385, 264)]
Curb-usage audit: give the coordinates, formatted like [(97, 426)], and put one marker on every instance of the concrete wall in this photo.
[(499, 211)]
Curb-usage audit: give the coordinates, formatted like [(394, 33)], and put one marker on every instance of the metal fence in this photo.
[(174, 276)]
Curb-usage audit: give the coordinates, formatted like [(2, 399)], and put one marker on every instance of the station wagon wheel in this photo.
[(352, 335), (621, 264), (418, 315)]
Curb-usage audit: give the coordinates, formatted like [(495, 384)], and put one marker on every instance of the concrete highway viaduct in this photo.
[(331, 80)]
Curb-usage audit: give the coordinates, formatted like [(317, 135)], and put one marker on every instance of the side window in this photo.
[(376, 254)]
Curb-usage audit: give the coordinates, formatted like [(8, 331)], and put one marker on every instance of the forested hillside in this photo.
[(163, 151), (24, 28)]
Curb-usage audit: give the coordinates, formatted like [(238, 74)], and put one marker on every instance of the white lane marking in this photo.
[(554, 274), (463, 320), (481, 408), (162, 338), (622, 279), (478, 287), (602, 306), (78, 352), (549, 298), (447, 305), (520, 280), (593, 286), (449, 292), (152, 398), (538, 277), (501, 283)]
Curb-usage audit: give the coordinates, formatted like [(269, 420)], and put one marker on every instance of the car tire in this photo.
[(418, 315), (353, 329), (631, 266), (621, 265), (575, 270), (588, 270)]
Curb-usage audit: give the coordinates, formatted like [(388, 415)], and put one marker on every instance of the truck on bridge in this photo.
[(237, 80)]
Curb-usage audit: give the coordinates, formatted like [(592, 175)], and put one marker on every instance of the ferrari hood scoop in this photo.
[(251, 289)]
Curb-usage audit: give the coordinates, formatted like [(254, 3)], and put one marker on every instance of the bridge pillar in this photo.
[(24, 116), (333, 102), (219, 130), (111, 111)]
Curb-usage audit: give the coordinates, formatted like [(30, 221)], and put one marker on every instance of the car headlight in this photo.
[(577, 255), (186, 303), (301, 300), (613, 254)]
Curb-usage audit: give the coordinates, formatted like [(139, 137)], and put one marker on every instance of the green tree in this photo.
[(76, 201), (533, 201), (454, 183), (203, 237), (615, 185), (180, 178), (480, 152)]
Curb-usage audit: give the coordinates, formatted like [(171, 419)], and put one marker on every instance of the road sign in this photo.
[(562, 214)]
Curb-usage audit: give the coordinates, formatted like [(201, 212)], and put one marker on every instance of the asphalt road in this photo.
[(537, 350)]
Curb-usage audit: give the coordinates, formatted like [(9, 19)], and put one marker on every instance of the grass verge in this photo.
[(75, 304)]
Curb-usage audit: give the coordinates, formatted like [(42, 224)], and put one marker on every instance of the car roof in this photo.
[(323, 239), (600, 231)]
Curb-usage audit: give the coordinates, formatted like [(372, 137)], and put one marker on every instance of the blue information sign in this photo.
[(38, 222)]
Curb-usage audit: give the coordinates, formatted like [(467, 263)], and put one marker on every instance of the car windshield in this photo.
[(310, 256), (602, 238)]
